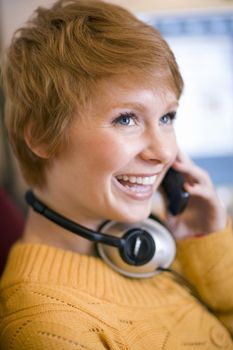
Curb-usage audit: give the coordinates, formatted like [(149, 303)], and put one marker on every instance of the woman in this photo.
[(91, 94)]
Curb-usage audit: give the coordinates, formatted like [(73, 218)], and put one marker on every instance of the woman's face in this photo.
[(117, 156)]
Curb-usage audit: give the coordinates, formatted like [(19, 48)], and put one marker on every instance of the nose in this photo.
[(160, 147)]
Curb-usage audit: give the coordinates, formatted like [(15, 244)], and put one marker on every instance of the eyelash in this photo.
[(130, 116), (171, 115)]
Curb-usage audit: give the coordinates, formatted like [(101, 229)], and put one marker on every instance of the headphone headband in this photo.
[(140, 251), (70, 225)]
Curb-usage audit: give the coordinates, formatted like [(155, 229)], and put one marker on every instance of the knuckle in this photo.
[(205, 175)]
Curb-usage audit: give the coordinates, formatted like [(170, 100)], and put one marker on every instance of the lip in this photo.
[(135, 195), (139, 175)]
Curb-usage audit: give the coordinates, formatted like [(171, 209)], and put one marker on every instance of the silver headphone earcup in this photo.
[(164, 253)]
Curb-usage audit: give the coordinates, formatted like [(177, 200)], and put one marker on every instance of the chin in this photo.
[(132, 216)]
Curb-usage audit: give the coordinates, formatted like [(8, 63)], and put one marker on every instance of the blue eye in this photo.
[(168, 118), (126, 119)]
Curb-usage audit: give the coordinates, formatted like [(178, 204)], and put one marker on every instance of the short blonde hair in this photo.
[(54, 61)]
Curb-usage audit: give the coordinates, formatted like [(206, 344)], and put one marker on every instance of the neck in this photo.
[(41, 230)]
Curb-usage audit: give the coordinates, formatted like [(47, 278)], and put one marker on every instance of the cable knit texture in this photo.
[(56, 299)]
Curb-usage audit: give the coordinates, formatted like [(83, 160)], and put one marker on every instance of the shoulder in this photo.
[(44, 304), (46, 317)]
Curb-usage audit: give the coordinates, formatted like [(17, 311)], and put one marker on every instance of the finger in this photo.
[(182, 157), (185, 165), (198, 190), (193, 171)]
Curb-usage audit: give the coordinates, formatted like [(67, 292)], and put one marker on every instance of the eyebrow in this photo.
[(141, 107)]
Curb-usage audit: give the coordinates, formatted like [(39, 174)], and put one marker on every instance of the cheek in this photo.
[(174, 151), (110, 154), (173, 147)]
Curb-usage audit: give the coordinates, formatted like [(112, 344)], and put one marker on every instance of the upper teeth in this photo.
[(147, 180)]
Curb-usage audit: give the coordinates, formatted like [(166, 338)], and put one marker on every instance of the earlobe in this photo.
[(38, 149)]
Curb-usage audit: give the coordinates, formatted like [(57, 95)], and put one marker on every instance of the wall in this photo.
[(171, 5)]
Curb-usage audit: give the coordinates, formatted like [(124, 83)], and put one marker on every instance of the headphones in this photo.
[(140, 250)]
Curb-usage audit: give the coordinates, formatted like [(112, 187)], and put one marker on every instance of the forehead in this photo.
[(121, 90)]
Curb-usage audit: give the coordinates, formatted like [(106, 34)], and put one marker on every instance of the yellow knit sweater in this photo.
[(56, 299)]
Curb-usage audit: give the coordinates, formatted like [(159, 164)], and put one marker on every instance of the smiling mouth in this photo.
[(137, 186), (139, 180)]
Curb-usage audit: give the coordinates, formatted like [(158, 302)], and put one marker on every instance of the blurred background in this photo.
[(200, 33)]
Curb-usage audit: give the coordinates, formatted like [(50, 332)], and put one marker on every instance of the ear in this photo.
[(39, 150)]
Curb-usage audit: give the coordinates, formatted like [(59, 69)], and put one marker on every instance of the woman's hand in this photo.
[(204, 213)]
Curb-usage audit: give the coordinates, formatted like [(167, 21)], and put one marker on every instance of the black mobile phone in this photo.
[(172, 186)]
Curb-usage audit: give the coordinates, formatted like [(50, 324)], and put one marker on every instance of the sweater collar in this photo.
[(38, 263)]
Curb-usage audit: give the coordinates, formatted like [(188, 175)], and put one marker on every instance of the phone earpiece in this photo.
[(148, 246), (177, 197)]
